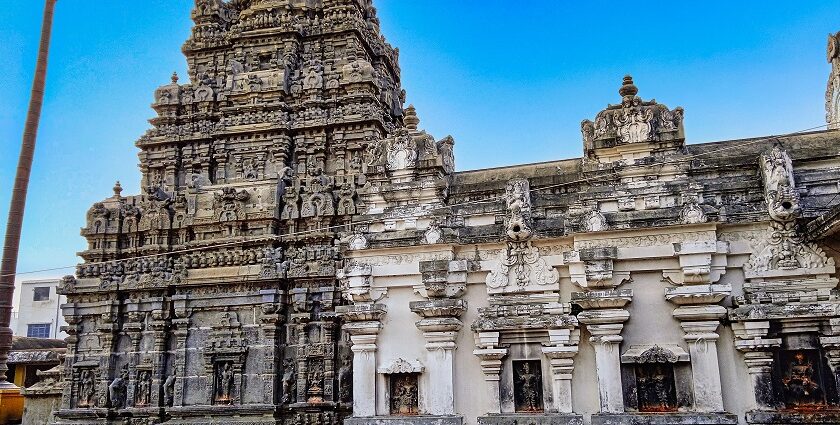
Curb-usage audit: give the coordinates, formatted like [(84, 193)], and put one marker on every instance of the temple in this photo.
[(303, 253)]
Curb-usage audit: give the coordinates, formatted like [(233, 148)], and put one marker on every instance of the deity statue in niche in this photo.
[(656, 388), (800, 378), (144, 388), (404, 394), (527, 386), (86, 388), (289, 381), (224, 383), (169, 388)]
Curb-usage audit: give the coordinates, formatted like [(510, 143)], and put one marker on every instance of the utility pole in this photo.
[(11, 402)]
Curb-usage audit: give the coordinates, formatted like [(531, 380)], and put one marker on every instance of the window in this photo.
[(39, 330), (41, 293)]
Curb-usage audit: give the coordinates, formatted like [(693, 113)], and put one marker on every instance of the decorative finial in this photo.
[(627, 87), (174, 78), (117, 189), (411, 121)]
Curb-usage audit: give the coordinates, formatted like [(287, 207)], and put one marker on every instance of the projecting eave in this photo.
[(824, 226)]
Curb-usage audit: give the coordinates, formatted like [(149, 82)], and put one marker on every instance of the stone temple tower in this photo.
[(832, 93), (213, 292)]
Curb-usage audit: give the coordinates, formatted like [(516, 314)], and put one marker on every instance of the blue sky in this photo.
[(511, 81)]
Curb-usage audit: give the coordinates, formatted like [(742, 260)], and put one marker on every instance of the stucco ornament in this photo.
[(692, 213), (782, 199), (520, 267), (632, 121), (401, 152), (357, 241), (594, 221), (832, 92), (784, 248)]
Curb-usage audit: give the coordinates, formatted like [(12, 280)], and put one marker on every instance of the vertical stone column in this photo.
[(363, 324), (491, 365), (561, 359), (758, 356), (441, 347), (831, 345), (604, 316), (705, 371), (606, 338), (696, 295), (363, 336), (443, 282)]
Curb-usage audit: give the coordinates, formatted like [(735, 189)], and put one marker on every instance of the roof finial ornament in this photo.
[(628, 88), (411, 120), (174, 78), (117, 189)]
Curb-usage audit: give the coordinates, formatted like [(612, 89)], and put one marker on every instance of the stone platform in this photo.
[(665, 419), (538, 419), (406, 420)]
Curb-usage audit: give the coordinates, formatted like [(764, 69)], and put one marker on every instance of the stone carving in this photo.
[(527, 386), (782, 199), (784, 249), (143, 388), (87, 391), (633, 121), (117, 390), (169, 388), (223, 383), (289, 381), (594, 222), (520, 264), (518, 200), (402, 366), (404, 394), (832, 92), (692, 213), (401, 152)]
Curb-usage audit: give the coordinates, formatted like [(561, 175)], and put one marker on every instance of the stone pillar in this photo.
[(758, 356), (697, 296), (364, 370), (363, 326), (604, 316), (443, 281), (561, 359), (606, 338), (441, 397), (702, 346), (491, 365)]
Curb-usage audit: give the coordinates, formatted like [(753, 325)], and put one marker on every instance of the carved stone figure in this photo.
[(117, 390), (169, 388), (224, 384), (289, 378), (86, 388), (143, 388)]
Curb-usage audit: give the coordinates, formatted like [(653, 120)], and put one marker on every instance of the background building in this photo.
[(39, 310)]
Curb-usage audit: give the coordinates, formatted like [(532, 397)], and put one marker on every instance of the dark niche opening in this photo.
[(800, 374), (223, 383), (527, 386), (404, 394), (656, 387)]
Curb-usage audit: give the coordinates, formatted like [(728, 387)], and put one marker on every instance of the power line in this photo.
[(277, 238)]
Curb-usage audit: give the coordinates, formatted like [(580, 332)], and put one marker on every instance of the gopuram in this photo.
[(303, 253)]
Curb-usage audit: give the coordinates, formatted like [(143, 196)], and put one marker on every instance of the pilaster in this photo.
[(604, 314)]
